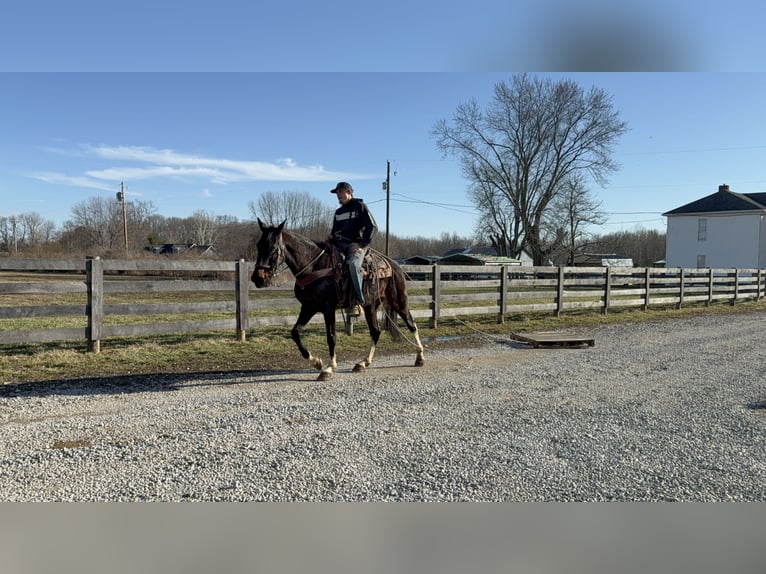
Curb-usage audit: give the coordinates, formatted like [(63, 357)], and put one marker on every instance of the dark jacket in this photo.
[(353, 223)]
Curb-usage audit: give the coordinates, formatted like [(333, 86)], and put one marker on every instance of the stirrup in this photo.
[(355, 310)]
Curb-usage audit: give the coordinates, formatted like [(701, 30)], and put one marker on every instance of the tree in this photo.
[(205, 226), (573, 210), (304, 213), (498, 225), (644, 246), (25, 230), (534, 135), (96, 224)]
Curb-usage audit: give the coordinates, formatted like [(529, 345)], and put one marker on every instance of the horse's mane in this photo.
[(305, 240)]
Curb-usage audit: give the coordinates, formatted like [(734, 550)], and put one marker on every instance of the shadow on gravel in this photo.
[(757, 406), (128, 384)]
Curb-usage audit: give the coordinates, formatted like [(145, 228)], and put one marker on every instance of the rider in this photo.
[(352, 230)]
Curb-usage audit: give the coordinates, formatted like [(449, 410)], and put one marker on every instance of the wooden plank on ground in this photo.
[(553, 339)]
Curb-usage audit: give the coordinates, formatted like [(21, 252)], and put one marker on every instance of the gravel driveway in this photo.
[(673, 410)]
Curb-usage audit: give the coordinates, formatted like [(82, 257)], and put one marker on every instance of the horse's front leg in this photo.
[(371, 316), (304, 317), (329, 325)]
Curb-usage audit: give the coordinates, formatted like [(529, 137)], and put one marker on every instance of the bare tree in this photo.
[(304, 213), (9, 233), (498, 225), (644, 246), (572, 211), (96, 224), (534, 134), (205, 226)]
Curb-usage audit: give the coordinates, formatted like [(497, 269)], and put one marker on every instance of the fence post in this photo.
[(94, 268), (647, 276), (709, 288), (681, 280), (736, 286), (758, 291), (560, 292), (242, 294), (503, 294), (435, 295), (607, 290)]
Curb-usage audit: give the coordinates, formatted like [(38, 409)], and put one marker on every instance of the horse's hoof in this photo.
[(359, 368), (324, 376), (420, 361)]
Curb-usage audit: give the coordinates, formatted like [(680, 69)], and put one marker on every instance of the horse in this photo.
[(317, 271)]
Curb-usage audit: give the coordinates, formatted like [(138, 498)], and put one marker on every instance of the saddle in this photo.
[(374, 267)]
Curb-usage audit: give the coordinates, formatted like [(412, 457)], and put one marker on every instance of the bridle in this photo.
[(275, 260)]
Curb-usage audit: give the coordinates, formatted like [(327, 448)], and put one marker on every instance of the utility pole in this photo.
[(14, 240), (121, 199), (387, 185)]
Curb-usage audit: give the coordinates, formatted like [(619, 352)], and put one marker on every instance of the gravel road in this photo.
[(672, 410)]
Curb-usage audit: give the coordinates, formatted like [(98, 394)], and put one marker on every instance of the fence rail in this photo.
[(435, 292)]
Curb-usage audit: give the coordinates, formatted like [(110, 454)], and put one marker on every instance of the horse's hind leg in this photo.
[(406, 315)]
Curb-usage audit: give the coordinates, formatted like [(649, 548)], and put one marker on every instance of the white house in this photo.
[(722, 230)]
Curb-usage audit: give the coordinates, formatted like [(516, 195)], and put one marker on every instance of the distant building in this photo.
[(602, 260), (477, 259), (420, 260), (184, 249)]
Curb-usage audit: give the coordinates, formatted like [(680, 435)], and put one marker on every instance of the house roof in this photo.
[(721, 201)]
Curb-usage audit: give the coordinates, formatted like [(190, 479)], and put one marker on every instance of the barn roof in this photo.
[(478, 259)]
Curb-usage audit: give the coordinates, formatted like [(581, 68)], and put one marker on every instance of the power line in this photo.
[(659, 152)]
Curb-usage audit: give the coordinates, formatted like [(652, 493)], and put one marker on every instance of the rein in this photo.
[(301, 279), (302, 271)]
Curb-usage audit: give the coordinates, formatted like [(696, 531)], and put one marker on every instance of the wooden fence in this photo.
[(107, 289)]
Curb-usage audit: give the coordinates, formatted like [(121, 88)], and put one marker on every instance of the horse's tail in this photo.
[(395, 301), (390, 322)]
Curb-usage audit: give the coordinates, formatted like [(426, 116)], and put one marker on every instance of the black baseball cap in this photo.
[(342, 185)]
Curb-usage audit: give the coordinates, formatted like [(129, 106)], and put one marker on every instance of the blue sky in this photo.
[(398, 35), (215, 141)]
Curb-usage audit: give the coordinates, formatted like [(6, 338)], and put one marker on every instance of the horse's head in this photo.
[(271, 253)]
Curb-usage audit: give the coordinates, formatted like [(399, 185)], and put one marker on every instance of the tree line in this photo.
[(95, 227)]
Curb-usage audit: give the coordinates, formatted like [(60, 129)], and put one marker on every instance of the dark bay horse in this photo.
[(316, 288)]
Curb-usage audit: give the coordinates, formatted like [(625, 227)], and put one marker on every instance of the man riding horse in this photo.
[(353, 228)]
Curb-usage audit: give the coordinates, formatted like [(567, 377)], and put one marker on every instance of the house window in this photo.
[(700, 261), (702, 229)]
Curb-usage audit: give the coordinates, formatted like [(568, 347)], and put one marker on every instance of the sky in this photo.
[(205, 105), (215, 141)]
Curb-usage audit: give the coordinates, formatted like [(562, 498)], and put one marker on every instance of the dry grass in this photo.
[(272, 348)]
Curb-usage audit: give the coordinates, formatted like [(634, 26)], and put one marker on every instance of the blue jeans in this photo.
[(354, 258)]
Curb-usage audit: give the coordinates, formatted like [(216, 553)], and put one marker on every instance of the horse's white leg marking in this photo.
[(419, 360), (367, 361), (315, 362)]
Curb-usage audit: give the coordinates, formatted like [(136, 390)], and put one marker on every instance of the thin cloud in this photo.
[(219, 170), (74, 181), (133, 163)]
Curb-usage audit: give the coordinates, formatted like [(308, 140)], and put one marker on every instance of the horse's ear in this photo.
[(260, 223), (281, 226)]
